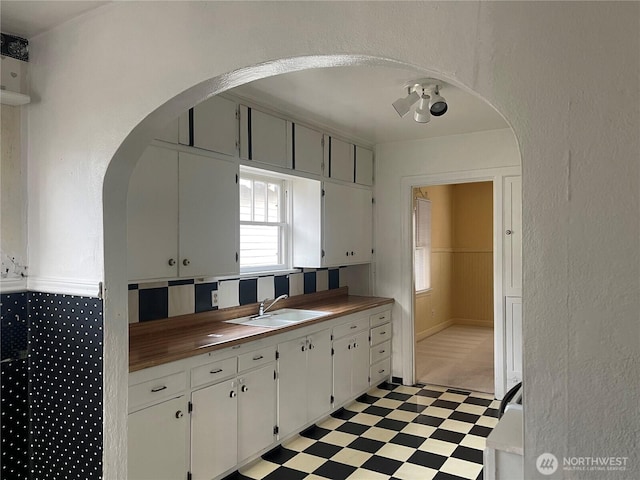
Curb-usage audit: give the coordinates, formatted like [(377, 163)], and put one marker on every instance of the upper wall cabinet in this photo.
[(264, 138), (340, 159), (363, 159), (308, 149), (182, 216), (215, 125)]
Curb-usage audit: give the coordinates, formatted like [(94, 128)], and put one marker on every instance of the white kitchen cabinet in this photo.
[(214, 428), (264, 137), (158, 441), (256, 410), (340, 159), (215, 125), (350, 366), (152, 216), (347, 231), (175, 225), (304, 381), (513, 236), (363, 159), (513, 334), (308, 149), (380, 335), (208, 217), (325, 232)]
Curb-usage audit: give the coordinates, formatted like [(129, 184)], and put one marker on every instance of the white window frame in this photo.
[(422, 242), (284, 223)]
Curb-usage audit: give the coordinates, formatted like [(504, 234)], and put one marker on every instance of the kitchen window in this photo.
[(422, 244), (264, 228)]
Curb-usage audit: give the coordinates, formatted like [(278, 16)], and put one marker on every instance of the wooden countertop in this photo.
[(162, 341)]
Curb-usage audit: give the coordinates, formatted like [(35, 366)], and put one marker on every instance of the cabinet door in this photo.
[(360, 363), (308, 150), (340, 160), (158, 442), (513, 235), (214, 423), (256, 411), (364, 166), (215, 125), (513, 334), (319, 374), (361, 232), (342, 369), (292, 385), (152, 216), (267, 138), (209, 218)]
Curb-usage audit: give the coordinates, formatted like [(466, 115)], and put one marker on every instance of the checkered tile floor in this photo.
[(393, 432)]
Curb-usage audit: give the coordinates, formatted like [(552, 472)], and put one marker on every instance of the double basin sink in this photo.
[(279, 318)]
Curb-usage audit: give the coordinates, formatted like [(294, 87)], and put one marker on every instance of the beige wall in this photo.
[(461, 258)]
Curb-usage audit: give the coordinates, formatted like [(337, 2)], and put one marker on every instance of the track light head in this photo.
[(403, 105), (422, 114), (437, 104)]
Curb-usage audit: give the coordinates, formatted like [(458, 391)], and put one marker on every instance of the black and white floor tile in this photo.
[(392, 432)]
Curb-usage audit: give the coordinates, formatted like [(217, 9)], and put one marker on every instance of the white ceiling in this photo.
[(354, 101), (30, 18)]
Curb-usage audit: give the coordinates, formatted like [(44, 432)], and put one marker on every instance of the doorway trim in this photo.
[(495, 175)]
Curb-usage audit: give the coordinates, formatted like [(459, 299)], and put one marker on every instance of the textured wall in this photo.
[(542, 64)]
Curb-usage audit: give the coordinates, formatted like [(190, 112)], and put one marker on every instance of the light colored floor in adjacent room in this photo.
[(460, 356)]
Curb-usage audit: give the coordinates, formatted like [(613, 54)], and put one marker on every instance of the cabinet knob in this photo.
[(171, 262), (232, 394), (355, 345), (244, 388), (349, 347), (508, 232), (179, 414), (302, 348), (186, 262), (352, 254), (347, 254), (311, 346)]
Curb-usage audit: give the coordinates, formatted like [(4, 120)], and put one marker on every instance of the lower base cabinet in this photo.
[(158, 441), (350, 366)]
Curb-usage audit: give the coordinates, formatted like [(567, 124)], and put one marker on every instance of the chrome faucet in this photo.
[(262, 310)]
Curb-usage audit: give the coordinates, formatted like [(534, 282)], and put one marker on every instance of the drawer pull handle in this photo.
[(158, 389), (217, 370), (381, 351), (353, 326), (382, 317), (258, 357), (381, 371), (383, 333)]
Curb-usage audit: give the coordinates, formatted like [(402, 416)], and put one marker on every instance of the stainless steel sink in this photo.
[(280, 318)]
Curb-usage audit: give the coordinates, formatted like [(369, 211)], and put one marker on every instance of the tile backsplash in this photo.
[(157, 300)]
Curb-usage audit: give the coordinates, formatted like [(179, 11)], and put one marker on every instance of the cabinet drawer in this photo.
[(380, 334), (380, 318), (380, 371), (158, 389), (212, 372), (256, 358), (351, 327), (380, 351)]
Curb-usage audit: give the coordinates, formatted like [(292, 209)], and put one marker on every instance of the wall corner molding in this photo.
[(11, 285), (82, 288)]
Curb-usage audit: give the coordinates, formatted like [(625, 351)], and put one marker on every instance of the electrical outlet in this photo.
[(214, 298)]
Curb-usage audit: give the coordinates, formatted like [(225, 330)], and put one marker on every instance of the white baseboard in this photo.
[(82, 288), (472, 322), (12, 285), (433, 330)]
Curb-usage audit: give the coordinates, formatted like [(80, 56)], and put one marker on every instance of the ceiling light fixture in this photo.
[(427, 90)]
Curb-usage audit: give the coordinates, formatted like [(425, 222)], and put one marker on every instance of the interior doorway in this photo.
[(453, 297)]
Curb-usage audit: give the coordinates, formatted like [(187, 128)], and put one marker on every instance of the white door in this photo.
[(209, 218), (152, 216), (319, 373), (338, 224), (215, 125), (513, 334), (360, 362), (158, 441), (342, 369), (364, 166), (256, 411), (361, 226), (308, 150), (214, 423), (292, 385), (513, 236), (267, 139), (340, 160)]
